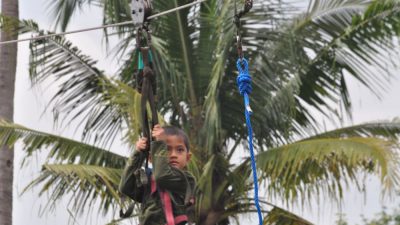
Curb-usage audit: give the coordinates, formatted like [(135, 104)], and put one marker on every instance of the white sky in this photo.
[(29, 105)]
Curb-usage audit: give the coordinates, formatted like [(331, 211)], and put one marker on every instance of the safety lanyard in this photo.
[(145, 77), (244, 84)]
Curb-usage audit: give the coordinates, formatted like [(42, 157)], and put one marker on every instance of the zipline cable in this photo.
[(104, 26)]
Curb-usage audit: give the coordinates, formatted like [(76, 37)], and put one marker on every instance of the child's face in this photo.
[(178, 155)]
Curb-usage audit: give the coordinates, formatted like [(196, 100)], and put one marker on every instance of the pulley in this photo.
[(141, 10)]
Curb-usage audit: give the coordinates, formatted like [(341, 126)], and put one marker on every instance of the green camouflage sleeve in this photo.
[(127, 185), (167, 177)]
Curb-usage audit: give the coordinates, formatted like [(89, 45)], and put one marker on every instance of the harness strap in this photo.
[(168, 211), (169, 215), (129, 211), (167, 205), (153, 185), (180, 219)]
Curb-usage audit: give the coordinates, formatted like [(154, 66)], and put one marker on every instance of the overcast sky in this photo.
[(29, 106)]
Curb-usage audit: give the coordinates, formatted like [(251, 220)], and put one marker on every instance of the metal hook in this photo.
[(141, 11)]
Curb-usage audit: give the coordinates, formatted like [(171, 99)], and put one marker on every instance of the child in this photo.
[(165, 193)]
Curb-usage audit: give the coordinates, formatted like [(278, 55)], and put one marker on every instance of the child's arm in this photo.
[(166, 176), (128, 184)]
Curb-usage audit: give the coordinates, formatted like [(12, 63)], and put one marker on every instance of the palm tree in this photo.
[(299, 61), (8, 64)]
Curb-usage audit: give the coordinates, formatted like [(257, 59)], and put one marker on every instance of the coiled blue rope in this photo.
[(244, 85)]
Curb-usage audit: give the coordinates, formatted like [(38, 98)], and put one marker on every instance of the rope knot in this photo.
[(244, 79)]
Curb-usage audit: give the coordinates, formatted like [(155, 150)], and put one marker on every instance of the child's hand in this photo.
[(158, 133), (141, 144)]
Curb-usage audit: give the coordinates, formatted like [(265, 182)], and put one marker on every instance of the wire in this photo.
[(102, 27)]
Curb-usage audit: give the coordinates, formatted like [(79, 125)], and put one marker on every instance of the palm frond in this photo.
[(223, 190), (57, 58), (64, 10), (10, 24), (122, 106), (84, 93), (88, 184), (60, 149), (382, 129), (177, 55), (279, 216), (204, 184), (305, 59), (305, 168), (211, 107)]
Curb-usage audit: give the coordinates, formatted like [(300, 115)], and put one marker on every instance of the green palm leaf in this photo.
[(341, 43), (324, 165), (102, 105), (60, 149), (383, 129), (88, 184), (81, 91), (24, 26), (64, 10), (279, 216)]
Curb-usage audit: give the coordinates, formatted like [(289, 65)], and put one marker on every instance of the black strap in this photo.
[(147, 86), (128, 212), (148, 96), (247, 6)]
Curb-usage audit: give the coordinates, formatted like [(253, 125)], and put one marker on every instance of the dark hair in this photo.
[(174, 131)]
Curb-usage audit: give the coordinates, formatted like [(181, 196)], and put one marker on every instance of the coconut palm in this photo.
[(299, 61), (8, 65)]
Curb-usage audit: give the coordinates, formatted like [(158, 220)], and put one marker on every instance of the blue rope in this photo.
[(244, 85)]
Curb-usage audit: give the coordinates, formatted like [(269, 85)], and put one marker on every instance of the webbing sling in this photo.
[(167, 205), (146, 79)]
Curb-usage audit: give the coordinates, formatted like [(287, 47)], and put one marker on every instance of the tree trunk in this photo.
[(212, 218), (8, 61)]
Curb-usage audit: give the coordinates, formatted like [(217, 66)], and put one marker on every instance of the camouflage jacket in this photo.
[(178, 183)]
